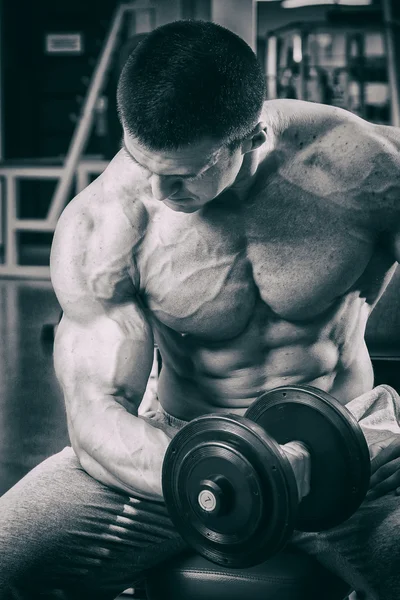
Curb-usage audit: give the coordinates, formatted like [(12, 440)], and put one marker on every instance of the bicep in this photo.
[(104, 343), (110, 356)]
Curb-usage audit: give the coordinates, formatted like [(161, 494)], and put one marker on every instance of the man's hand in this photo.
[(385, 467)]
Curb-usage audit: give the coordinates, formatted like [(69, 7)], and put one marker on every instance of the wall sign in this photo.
[(64, 43)]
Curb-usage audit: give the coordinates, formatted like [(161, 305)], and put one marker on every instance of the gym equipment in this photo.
[(338, 63), (290, 575), (229, 485), (340, 462)]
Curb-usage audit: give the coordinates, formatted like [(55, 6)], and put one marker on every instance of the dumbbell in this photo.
[(229, 485)]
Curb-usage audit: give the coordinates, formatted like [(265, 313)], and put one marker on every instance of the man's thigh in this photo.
[(62, 530), (364, 550)]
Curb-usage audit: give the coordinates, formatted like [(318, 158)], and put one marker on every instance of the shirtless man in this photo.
[(250, 240)]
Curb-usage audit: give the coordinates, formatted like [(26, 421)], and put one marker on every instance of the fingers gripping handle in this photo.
[(300, 461)]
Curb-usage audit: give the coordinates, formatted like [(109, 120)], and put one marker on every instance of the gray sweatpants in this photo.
[(64, 535)]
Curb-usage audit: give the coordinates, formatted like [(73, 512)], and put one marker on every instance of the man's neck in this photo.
[(252, 163)]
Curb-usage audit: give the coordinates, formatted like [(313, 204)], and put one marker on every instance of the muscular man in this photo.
[(250, 240)]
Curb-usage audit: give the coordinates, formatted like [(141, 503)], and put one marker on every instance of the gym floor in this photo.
[(32, 415)]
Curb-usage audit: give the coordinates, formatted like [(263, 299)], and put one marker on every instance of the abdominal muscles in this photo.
[(328, 352)]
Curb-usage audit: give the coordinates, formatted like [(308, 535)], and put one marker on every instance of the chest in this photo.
[(204, 276)]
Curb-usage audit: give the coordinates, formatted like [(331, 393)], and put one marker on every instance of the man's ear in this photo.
[(256, 138)]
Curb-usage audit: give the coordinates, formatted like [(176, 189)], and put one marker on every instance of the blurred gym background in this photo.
[(59, 65)]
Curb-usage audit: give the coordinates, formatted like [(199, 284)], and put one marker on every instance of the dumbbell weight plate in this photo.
[(340, 463), (230, 490)]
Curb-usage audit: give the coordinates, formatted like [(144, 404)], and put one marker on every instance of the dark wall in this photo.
[(41, 91)]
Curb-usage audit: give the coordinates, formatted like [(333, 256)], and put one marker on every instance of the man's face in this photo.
[(187, 179)]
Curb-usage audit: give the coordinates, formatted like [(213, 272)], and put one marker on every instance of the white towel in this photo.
[(378, 414)]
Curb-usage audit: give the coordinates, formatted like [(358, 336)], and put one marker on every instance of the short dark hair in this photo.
[(188, 80)]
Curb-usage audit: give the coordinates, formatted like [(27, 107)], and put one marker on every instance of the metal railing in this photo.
[(72, 167)]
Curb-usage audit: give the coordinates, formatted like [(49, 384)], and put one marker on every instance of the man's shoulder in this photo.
[(363, 157), (331, 140), (285, 116), (331, 154), (105, 214), (115, 201), (309, 123), (96, 241)]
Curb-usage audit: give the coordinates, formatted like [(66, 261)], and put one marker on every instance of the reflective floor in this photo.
[(32, 416)]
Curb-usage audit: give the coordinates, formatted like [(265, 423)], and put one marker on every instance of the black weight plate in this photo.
[(259, 500), (340, 463)]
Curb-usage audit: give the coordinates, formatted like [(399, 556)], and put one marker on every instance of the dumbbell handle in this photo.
[(212, 490), (300, 461)]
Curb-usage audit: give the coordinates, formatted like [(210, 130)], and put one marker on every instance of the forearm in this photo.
[(120, 449)]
